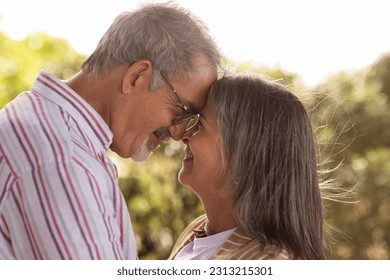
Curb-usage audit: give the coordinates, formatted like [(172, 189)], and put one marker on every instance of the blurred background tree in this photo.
[(350, 111), (355, 110), (21, 61)]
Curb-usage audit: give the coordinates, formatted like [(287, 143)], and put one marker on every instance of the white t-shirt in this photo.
[(204, 248)]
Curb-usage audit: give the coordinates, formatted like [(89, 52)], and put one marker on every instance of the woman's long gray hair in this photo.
[(270, 151)]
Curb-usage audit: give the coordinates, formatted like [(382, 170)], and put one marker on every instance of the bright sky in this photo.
[(312, 38)]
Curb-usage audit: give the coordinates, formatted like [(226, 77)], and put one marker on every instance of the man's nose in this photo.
[(177, 131)]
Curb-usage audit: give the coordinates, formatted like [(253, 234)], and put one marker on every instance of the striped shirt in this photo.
[(59, 196), (239, 245)]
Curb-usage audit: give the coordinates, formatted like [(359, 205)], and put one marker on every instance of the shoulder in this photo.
[(242, 246), (33, 132)]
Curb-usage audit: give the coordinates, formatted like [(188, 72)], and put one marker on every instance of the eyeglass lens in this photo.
[(193, 122)]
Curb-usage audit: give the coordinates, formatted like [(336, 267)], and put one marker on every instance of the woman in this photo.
[(251, 159)]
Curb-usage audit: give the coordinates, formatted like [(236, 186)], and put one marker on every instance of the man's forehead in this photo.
[(195, 92)]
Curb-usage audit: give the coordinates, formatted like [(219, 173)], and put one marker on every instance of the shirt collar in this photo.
[(50, 87)]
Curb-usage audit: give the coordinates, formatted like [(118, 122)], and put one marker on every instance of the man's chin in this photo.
[(144, 151), (141, 157), (142, 154)]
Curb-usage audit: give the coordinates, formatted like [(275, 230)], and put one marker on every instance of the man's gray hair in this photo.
[(166, 34)]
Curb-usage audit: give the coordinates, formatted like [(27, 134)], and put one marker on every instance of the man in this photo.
[(59, 197)]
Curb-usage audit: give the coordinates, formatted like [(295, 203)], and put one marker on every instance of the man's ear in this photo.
[(138, 75)]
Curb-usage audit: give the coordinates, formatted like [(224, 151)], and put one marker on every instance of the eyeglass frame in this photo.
[(188, 113)]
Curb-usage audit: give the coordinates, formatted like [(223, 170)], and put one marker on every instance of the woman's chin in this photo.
[(184, 175)]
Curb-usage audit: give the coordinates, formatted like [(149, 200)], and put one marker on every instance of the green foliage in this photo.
[(360, 138), (290, 80), (351, 114), (21, 62)]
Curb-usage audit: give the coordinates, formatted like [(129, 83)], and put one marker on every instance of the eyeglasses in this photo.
[(188, 115)]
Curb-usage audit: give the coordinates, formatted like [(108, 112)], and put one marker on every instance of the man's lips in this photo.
[(162, 134)]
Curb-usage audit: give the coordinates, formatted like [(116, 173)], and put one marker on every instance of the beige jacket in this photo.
[(239, 246)]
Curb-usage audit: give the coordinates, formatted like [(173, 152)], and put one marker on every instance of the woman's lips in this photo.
[(188, 156)]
